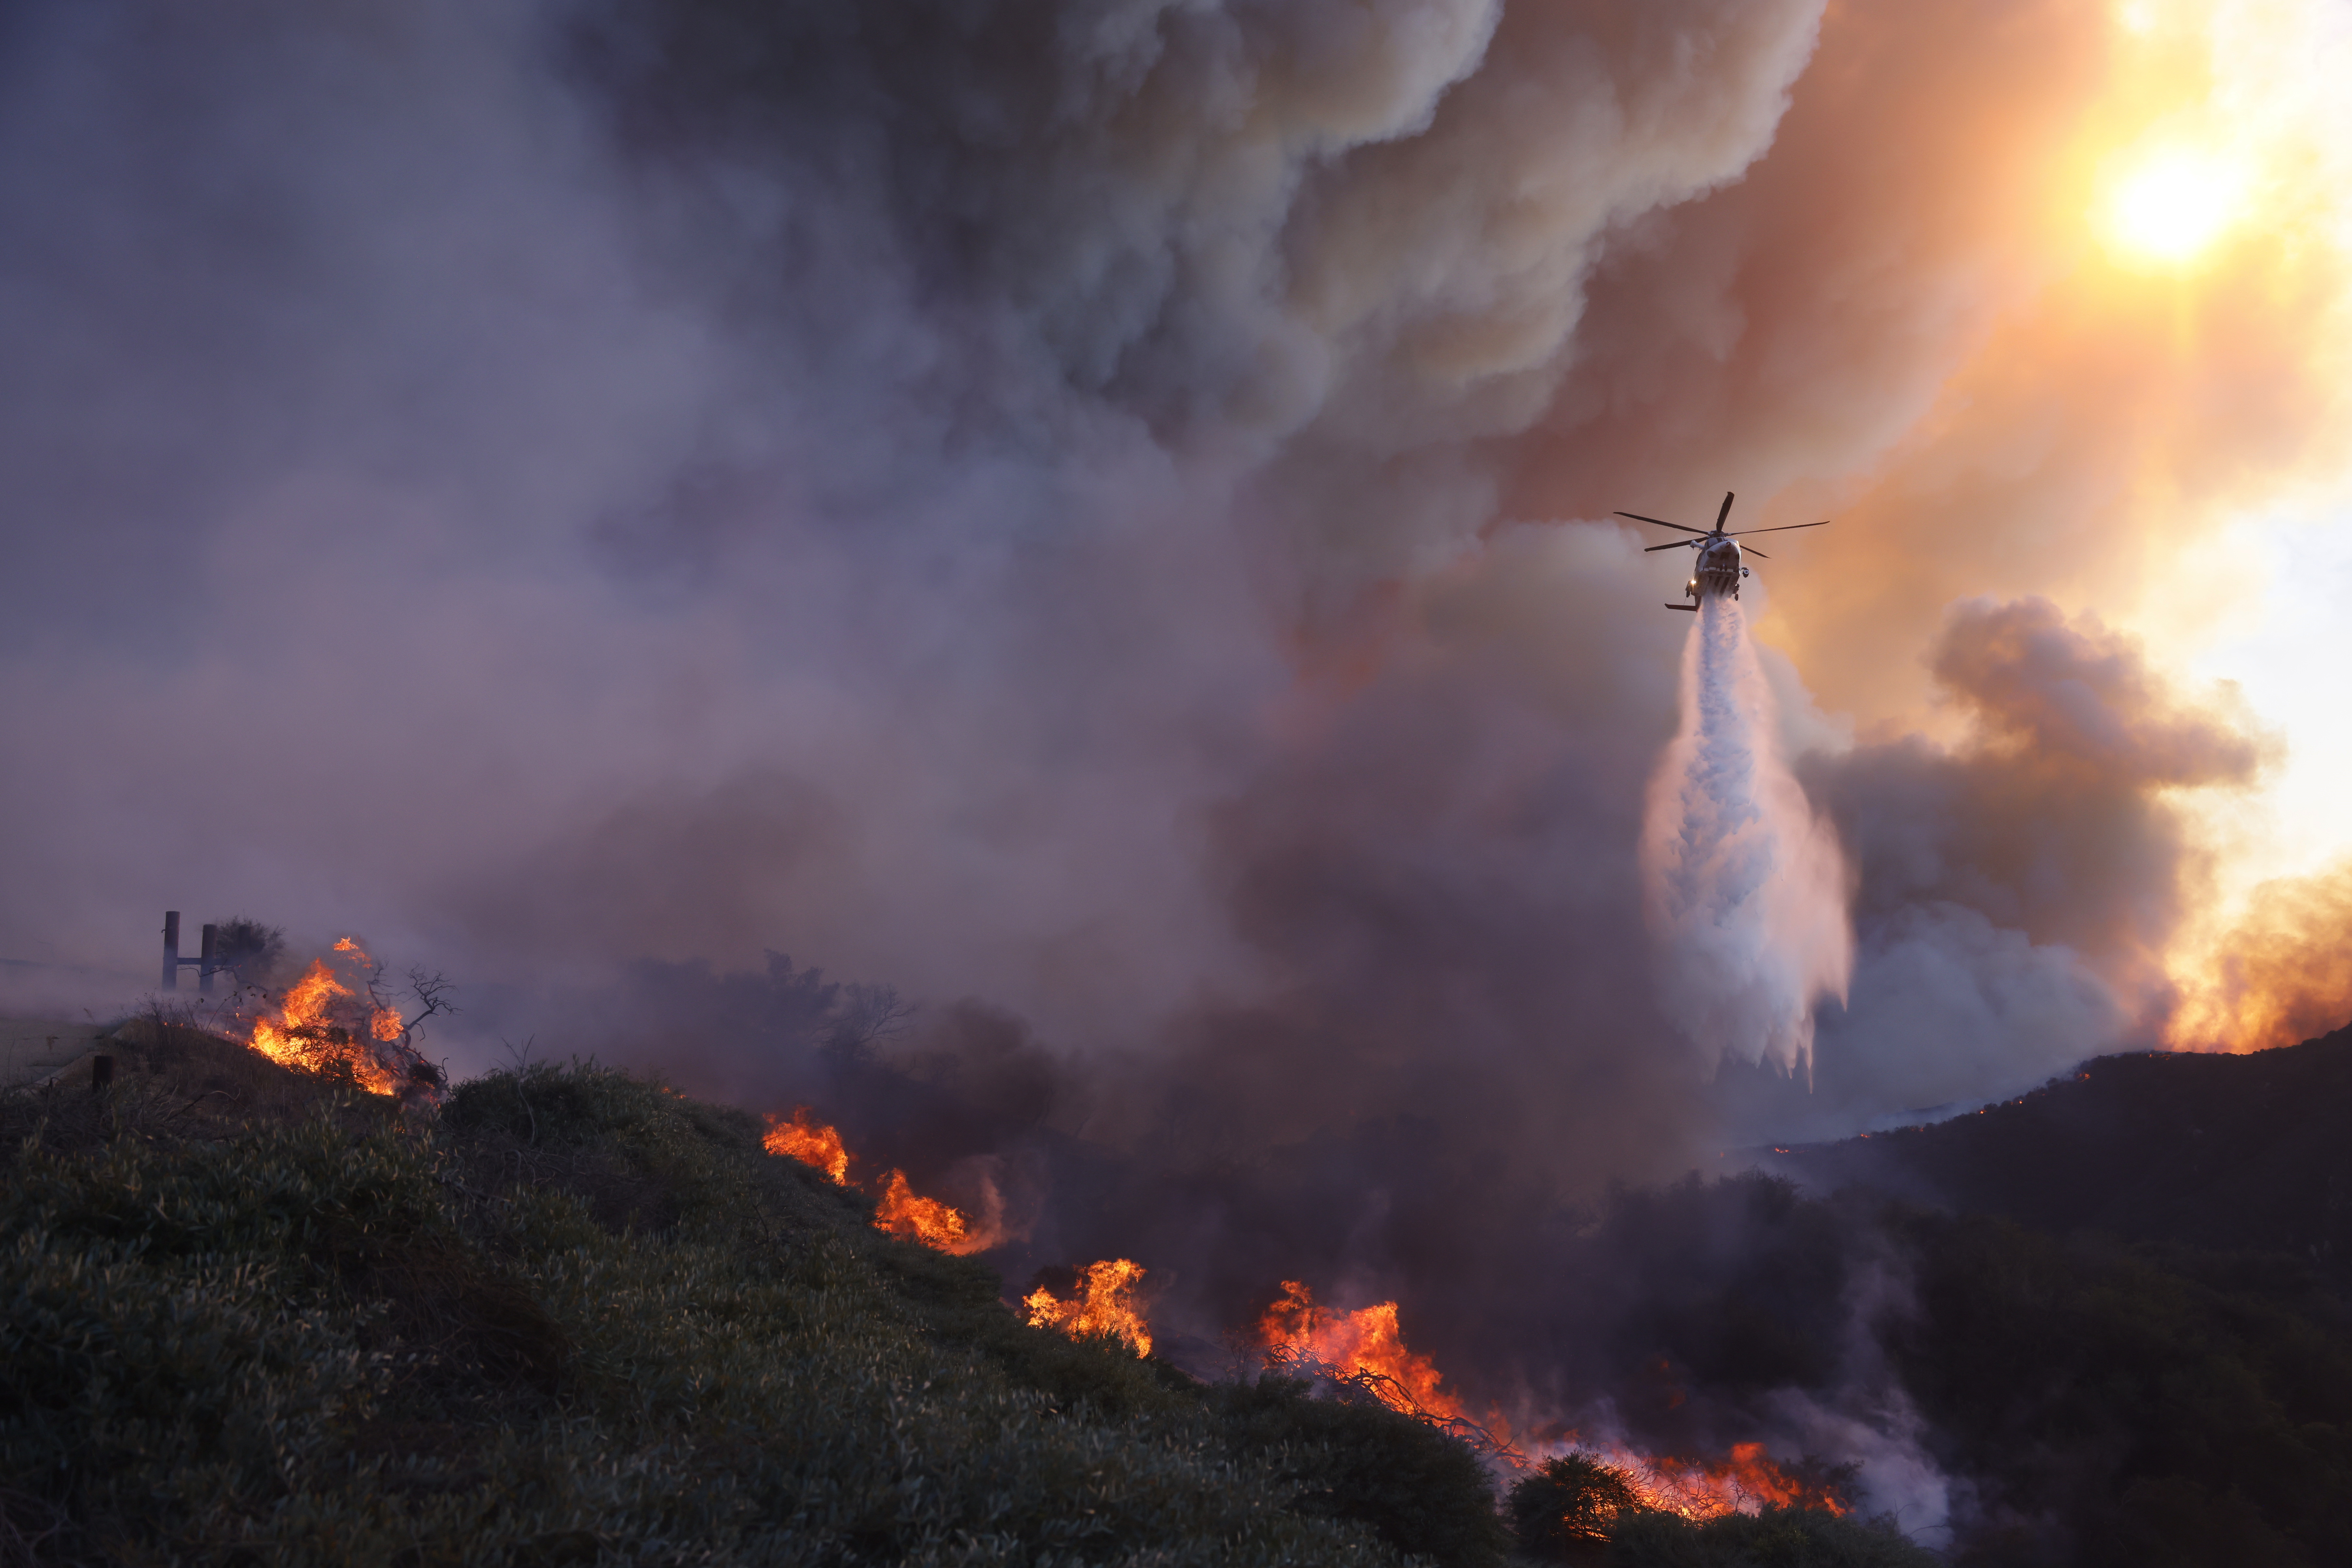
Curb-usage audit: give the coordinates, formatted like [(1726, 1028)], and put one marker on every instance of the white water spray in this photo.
[(1746, 887)]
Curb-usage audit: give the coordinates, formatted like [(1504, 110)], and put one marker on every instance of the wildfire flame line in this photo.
[(1363, 1350), (898, 1209), (1747, 1483), (1365, 1341), (903, 1212), (1104, 1304)]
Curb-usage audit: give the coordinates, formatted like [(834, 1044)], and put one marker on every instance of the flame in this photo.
[(1749, 1481), (1368, 1341), (809, 1140), (1105, 1304), (902, 1213), (308, 1035)]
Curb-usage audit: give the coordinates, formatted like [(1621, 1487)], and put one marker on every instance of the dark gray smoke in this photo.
[(1009, 501)]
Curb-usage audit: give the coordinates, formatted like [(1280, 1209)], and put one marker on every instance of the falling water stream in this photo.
[(1745, 887)]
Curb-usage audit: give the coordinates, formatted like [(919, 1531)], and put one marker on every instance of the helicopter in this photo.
[(1719, 569)]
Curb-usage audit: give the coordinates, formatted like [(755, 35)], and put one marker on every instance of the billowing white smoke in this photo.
[(1746, 887)]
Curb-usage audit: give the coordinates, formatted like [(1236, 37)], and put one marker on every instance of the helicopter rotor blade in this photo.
[(1661, 521), (1748, 550), (1743, 532), (1724, 513), (1669, 545)]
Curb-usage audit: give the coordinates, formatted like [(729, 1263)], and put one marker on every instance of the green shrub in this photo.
[(588, 1321), (1426, 1493), (1564, 1511), (2150, 1417)]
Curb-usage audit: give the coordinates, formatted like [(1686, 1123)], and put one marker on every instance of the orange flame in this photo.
[(903, 1213), (1368, 1341), (306, 1034), (900, 1211), (811, 1142), (1105, 1304), (1747, 1483)]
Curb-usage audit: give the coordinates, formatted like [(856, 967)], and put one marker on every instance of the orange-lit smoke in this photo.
[(811, 1142), (1367, 1342), (2106, 318), (325, 1026), (1104, 1304), (2276, 976)]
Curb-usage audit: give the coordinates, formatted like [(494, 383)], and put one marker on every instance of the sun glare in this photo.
[(2174, 203)]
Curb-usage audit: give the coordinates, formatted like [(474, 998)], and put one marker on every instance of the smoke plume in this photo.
[(2277, 975), (1078, 509), (1745, 887)]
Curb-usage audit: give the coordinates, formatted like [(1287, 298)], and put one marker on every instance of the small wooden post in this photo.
[(208, 961), (171, 949), (102, 1074)]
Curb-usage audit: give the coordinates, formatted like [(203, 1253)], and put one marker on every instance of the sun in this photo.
[(2174, 203)]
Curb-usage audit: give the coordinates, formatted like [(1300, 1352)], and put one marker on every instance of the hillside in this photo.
[(2218, 1153), (255, 1316), (258, 1317)]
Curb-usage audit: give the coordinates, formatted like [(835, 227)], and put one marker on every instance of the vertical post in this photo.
[(102, 1074), (207, 962), (171, 949)]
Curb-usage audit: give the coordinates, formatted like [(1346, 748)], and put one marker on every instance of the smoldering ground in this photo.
[(1068, 511)]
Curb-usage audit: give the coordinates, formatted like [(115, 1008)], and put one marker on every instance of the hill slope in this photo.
[(255, 1317), (2212, 1152)]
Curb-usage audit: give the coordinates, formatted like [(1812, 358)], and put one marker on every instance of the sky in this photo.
[(1100, 516)]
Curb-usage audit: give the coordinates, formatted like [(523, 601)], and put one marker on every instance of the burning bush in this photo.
[(1367, 1344), (811, 1142), (324, 1026), (903, 1212), (1103, 1303), (898, 1210), (1579, 1509), (336, 1021), (1565, 1512)]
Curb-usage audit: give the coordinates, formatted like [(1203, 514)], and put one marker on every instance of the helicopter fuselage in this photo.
[(1719, 563), (1717, 570)]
